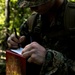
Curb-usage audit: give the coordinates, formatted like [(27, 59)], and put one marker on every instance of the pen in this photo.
[(16, 36)]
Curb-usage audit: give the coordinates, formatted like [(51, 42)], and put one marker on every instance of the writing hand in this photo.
[(13, 42)]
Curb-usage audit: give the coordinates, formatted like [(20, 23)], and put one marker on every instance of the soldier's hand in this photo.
[(13, 42), (34, 52)]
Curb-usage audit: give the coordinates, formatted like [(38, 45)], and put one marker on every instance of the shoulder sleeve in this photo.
[(27, 26), (24, 28), (24, 31)]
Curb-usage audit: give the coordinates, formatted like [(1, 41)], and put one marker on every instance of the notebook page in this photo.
[(19, 50)]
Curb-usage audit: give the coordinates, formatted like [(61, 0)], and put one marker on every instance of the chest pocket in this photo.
[(69, 17)]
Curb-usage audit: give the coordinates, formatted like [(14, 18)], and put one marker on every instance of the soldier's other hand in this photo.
[(34, 52), (13, 42)]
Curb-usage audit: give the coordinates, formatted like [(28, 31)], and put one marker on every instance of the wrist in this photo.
[(48, 62), (48, 57)]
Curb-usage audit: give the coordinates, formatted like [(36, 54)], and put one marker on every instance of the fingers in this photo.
[(13, 41), (21, 39), (9, 45), (27, 48), (32, 58), (28, 53), (12, 44), (12, 38)]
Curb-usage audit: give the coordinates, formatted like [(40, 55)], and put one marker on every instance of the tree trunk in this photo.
[(7, 13)]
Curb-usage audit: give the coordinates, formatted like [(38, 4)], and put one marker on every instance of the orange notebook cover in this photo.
[(15, 63)]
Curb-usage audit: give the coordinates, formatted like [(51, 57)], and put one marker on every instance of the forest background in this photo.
[(10, 16)]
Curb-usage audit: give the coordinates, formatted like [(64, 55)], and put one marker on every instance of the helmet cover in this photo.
[(31, 3)]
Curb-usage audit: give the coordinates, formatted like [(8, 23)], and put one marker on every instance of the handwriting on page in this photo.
[(19, 50)]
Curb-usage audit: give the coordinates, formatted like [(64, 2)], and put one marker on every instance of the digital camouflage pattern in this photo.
[(60, 57), (50, 67), (31, 3)]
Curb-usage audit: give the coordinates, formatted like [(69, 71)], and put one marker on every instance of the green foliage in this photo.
[(2, 8), (2, 17), (16, 17), (71, 0)]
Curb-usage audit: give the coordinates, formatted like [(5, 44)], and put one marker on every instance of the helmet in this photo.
[(31, 3)]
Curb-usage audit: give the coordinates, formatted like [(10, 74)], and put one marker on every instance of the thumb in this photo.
[(21, 39)]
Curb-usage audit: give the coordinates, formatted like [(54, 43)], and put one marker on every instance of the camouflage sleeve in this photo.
[(25, 32), (24, 28), (54, 64)]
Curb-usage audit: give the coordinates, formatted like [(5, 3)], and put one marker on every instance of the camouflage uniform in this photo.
[(31, 3), (60, 58)]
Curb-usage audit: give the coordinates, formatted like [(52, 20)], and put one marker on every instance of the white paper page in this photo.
[(19, 50)]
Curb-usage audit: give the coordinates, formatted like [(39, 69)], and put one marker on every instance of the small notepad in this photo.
[(18, 62), (19, 50)]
